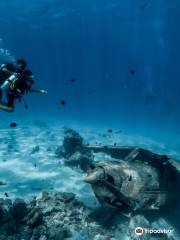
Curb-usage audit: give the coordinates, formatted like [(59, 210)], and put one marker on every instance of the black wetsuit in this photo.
[(21, 84)]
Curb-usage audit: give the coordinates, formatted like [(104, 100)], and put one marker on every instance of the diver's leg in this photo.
[(5, 107), (9, 106)]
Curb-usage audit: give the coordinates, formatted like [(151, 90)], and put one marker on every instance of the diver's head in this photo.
[(21, 64)]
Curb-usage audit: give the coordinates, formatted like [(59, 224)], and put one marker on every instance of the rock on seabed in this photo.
[(54, 216)]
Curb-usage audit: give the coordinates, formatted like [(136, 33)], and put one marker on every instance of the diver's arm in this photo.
[(4, 69), (38, 91)]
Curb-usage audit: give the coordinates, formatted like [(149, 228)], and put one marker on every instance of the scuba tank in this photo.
[(9, 83)]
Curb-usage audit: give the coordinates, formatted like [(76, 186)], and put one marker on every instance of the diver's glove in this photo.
[(43, 91)]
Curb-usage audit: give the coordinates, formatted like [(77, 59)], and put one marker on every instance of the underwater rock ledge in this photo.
[(73, 151), (60, 215), (53, 216)]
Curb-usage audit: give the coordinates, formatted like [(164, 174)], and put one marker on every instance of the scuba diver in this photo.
[(15, 80)]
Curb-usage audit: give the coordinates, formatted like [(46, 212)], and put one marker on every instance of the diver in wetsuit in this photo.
[(15, 80)]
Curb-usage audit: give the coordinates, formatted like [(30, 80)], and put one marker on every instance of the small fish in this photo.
[(130, 178), (2, 183), (6, 194), (63, 103), (13, 125), (132, 71), (35, 149), (73, 80), (110, 130)]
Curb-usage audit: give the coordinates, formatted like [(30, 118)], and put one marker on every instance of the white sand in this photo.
[(28, 173)]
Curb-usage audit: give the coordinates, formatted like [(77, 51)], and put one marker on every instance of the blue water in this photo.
[(98, 43), (124, 57)]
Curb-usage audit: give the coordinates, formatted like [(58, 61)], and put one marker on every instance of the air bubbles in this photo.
[(5, 55)]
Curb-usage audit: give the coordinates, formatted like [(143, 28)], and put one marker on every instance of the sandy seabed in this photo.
[(29, 165)]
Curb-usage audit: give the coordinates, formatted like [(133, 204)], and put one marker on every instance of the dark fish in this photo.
[(73, 80), (35, 149), (6, 194), (110, 130), (63, 103), (2, 183), (13, 125), (132, 71), (130, 178)]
